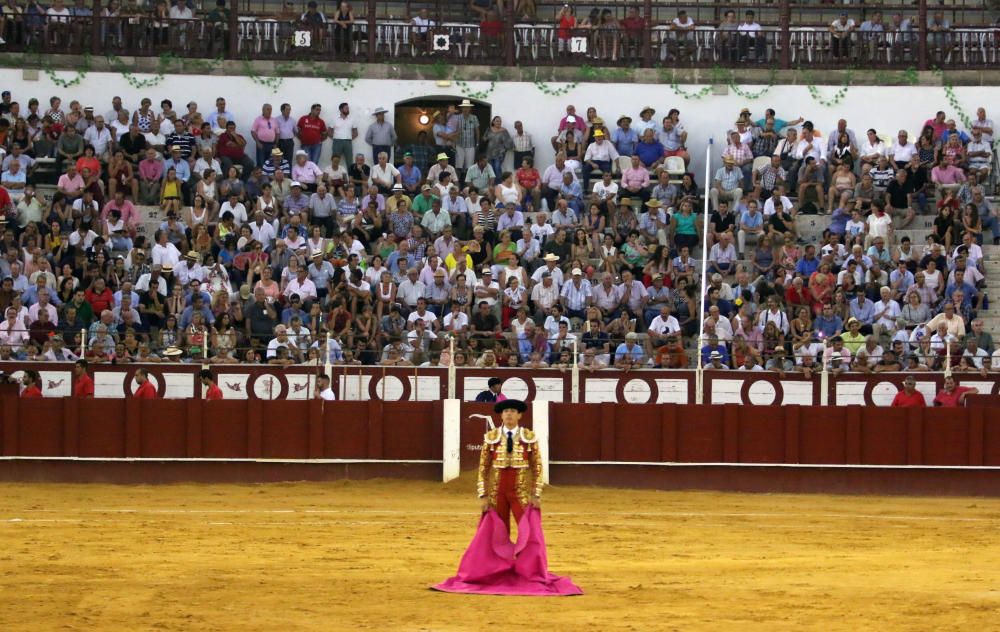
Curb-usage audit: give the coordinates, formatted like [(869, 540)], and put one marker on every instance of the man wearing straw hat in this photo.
[(381, 134), (468, 136), (434, 172)]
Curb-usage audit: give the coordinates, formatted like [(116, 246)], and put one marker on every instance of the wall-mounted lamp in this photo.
[(424, 119)]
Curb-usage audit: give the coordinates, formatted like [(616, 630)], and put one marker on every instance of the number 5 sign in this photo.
[(302, 39)]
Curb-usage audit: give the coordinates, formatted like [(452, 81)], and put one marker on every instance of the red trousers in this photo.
[(507, 499)]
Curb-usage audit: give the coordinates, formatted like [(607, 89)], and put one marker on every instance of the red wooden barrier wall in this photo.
[(411, 431), (851, 435), (248, 429)]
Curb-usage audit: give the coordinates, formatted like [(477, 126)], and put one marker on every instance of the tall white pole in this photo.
[(327, 365), (451, 368), (574, 389), (699, 377)]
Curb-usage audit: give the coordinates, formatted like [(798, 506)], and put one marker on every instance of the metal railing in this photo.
[(626, 34)]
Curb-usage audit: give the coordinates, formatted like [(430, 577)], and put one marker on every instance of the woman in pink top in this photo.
[(305, 171)]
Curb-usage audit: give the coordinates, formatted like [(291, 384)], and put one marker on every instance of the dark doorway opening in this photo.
[(414, 116)]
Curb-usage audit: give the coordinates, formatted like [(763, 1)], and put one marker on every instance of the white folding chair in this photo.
[(674, 166)]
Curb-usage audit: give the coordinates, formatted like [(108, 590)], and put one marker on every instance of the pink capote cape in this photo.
[(493, 565)]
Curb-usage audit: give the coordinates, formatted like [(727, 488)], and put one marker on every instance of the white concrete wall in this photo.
[(887, 109)]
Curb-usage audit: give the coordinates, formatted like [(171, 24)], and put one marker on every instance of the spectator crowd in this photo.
[(431, 253)]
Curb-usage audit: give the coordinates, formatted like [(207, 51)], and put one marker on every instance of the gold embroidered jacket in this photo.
[(493, 457)]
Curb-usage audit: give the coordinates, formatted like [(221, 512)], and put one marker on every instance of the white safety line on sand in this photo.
[(450, 514)]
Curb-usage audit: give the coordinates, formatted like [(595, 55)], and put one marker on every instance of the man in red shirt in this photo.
[(146, 389), (311, 131), (909, 397), (213, 391), (83, 386), (952, 396), (231, 149), (32, 382)]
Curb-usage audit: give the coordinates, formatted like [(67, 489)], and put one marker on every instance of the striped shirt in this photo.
[(468, 131), (523, 143), (185, 141)]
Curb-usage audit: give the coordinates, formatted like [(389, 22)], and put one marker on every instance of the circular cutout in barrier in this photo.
[(631, 390), (882, 393), (637, 391), (895, 384), (155, 376), (396, 389), (762, 391), (267, 386), (517, 388)]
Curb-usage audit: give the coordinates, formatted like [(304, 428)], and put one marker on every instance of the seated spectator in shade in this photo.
[(909, 397), (952, 395), (629, 354), (722, 257)]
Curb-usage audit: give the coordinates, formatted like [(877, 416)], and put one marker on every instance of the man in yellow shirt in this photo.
[(853, 338)]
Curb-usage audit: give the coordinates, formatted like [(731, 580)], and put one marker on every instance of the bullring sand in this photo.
[(360, 556)]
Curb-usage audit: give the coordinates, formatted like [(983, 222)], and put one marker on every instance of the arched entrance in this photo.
[(414, 121)]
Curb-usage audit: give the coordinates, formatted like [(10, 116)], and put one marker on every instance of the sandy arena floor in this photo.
[(359, 556)]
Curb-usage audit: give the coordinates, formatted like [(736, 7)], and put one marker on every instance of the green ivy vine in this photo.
[(117, 65), (949, 95), (544, 88), (345, 83), (468, 92), (837, 97), (81, 74)]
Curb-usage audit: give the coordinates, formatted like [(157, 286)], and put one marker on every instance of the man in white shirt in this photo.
[(487, 290), (664, 329), (234, 206), (886, 313), (263, 231), (281, 339), (147, 280), (902, 150), (750, 37), (456, 321), (164, 253), (545, 294), (682, 28), (99, 136), (302, 286), (722, 257), (189, 269), (773, 315), (777, 197), (343, 131), (809, 145), (384, 174), (841, 30), (410, 290), (323, 390), (423, 314), (599, 155), (551, 261), (980, 155)]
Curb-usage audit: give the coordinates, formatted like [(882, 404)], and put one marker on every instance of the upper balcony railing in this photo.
[(632, 34)]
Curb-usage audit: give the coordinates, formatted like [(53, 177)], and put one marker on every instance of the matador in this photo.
[(510, 467)]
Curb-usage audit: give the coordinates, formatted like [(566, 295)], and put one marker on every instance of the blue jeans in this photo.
[(990, 222), (312, 151), (603, 165), (497, 164), (264, 152)]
